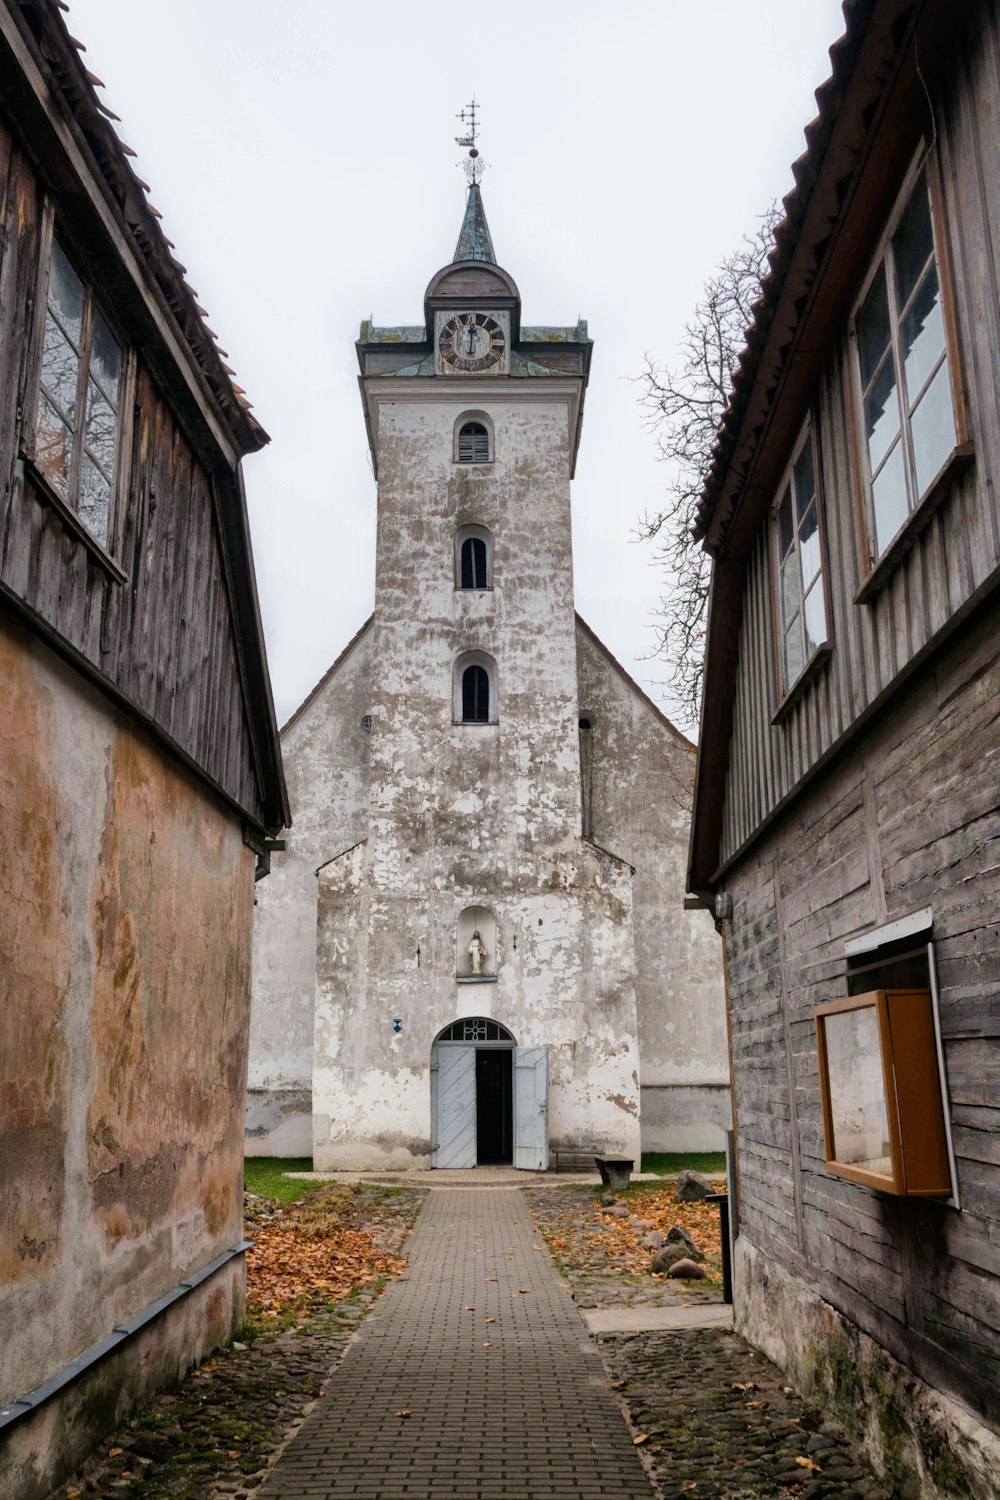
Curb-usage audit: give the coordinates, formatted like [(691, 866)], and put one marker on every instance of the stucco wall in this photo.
[(472, 814), (124, 969), (642, 779), (326, 752)]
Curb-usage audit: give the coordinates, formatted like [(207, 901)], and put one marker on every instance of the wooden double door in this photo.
[(490, 1105)]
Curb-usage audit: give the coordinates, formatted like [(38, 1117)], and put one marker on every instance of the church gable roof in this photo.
[(631, 683), (327, 676)]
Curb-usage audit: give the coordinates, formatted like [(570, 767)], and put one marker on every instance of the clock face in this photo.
[(471, 342)]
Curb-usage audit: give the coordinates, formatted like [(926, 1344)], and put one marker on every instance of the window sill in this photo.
[(959, 460), (475, 979), (806, 677), (476, 723), (488, 589), (72, 521)]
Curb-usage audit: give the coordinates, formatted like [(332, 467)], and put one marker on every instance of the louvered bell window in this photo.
[(473, 444)]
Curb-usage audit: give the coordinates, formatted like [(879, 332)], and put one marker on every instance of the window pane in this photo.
[(95, 500), (814, 615), (922, 335), (791, 587), (794, 658), (933, 428), (53, 446), (889, 499), (66, 294), (105, 359), (101, 429), (809, 553), (913, 243), (881, 414), (805, 481), (873, 328), (60, 368), (786, 530), (468, 570), (857, 1091)]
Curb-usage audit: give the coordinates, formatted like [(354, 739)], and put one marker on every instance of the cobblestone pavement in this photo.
[(720, 1422), (472, 1379), (588, 1248), (514, 1407), (215, 1434)]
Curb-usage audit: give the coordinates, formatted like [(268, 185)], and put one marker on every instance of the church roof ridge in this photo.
[(474, 242)]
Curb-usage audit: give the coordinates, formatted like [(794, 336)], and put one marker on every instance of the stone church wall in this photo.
[(325, 747), (642, 774)]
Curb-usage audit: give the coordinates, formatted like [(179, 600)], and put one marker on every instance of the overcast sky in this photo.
[(302, 155)]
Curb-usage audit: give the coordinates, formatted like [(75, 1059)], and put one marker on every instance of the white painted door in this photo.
[(531, 1108), (456, 1107)]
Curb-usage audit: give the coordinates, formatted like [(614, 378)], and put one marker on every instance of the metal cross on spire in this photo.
[(474, 166)]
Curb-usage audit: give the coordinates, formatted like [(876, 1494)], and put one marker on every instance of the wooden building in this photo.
[(847, 818), (140, 778)]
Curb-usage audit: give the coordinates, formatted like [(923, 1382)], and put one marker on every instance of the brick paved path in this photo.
[(517, 1407)]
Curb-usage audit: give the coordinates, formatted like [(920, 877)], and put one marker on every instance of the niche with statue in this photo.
[(476, 946)]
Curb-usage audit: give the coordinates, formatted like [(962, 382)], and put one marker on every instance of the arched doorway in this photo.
[(472, 1094)]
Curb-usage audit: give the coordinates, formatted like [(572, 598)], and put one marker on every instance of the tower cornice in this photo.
[(489, 391)]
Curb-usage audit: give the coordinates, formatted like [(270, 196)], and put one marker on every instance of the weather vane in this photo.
[(474, 165)]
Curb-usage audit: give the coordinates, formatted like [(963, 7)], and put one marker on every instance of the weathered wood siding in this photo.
[(921, 1277), (166, 637), (960, 548)]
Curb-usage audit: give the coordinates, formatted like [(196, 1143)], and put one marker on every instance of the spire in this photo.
[(474, 241)]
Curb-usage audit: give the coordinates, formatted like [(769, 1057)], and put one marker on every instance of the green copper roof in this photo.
[(474, 241)]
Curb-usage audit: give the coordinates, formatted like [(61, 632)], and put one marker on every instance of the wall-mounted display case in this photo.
[(883, 1115)]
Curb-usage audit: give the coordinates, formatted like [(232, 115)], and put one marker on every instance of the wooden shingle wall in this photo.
[(165, 638), (959, 549)]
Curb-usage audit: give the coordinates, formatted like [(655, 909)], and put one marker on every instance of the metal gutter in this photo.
[(25, 1406)]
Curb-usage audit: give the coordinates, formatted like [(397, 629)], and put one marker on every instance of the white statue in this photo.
[(477, 953)]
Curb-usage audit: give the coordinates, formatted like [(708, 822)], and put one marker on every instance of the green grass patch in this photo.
[(709, 1162), (265, 1175)]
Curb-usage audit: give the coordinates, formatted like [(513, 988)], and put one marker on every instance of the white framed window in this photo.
[(800, 584), (910, 424), (79, 399)]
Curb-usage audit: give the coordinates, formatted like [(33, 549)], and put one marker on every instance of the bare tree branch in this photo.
[(684, 402)]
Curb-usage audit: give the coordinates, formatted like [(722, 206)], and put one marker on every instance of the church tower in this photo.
[(475, 972)]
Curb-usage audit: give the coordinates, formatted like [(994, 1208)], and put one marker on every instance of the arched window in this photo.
[(474, 689), (473, 565), (473, 444), (473, 438), (475, 696), (475, 1029)]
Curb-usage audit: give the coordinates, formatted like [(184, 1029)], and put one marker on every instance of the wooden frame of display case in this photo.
[(912, 1090)]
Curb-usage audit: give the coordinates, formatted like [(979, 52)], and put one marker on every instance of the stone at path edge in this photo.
[(691, 1186)]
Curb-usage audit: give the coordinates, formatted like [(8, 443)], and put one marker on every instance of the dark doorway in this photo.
[(494, 1105)]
